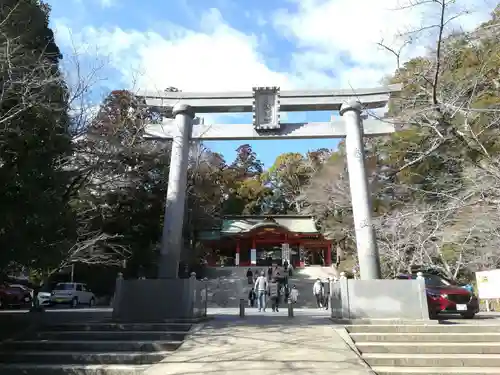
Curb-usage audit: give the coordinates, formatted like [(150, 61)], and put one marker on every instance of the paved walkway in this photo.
[(272, 345), (252, 311)]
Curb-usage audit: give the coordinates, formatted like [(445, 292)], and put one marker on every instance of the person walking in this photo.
[(326, 293), (250, 276), (286, 292), (275, 272), (261, 289), (274, 294), (251, 298), (317, 291), (269, 273), (294, 294)]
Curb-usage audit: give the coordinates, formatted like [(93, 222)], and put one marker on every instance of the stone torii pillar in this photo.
[(266, 103), (172, 242), (366, 244)]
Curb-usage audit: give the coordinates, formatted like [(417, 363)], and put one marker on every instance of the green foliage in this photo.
[(245, 192), (122, 181), (246, 164), (37, 223), (56, 193)]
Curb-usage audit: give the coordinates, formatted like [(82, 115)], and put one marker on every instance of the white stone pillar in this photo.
[(369, 262), (172, 242)]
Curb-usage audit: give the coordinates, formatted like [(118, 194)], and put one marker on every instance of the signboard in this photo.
[(253, 257), (266, 104), (285, 252), (488, 284), (237, 259)]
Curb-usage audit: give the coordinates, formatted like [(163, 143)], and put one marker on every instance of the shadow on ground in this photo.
[(267, 343)]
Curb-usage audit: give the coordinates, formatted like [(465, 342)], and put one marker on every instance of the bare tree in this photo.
[(442, 189), (442, 106), (97, 249), (457, 234)]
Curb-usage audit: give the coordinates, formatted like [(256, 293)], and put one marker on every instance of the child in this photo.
[(251, 298), (294, 294), (286, 292)]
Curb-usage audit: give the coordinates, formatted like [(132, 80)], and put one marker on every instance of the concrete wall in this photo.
[(159, 299), (379, 299)]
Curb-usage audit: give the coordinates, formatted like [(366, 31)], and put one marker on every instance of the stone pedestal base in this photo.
[(157, 300), (353, 300)]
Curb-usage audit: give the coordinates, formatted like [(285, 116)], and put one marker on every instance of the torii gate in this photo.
[(266, 103)]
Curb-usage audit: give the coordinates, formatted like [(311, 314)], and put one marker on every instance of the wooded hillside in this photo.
[(93, 191)]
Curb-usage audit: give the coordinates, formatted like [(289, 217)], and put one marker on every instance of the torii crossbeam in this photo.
[(266, 103)]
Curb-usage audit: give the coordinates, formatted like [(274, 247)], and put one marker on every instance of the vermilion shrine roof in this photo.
[(234, 225), (245, 224)]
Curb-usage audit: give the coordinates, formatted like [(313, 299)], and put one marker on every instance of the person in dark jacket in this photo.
[(274, 293), (252, 296), (250, 276), (326, 293), (286, 292)]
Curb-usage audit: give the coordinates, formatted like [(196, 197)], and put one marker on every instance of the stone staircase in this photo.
[(313, 272), (434, 349), (91, 348), (304, 279), (226, 285)]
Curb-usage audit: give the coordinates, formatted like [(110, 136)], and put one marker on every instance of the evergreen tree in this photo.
[(37, 224), (246, 164)]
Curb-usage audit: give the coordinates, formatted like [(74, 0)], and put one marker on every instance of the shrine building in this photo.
[(263, 240)]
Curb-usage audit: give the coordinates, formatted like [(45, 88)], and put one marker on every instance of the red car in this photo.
[(445, 297), (14, 296)]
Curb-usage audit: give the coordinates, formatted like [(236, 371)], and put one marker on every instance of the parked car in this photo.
[(28, 292), (44, 298), (13, 296), (443, 296), (73, 294)]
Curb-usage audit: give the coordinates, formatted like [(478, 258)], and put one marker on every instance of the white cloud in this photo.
[(217, 59), (339, 37), (102, 3), (335, 47), (107, 3)]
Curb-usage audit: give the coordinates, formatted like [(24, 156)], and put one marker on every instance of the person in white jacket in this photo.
[(261, 290), (318, 292)]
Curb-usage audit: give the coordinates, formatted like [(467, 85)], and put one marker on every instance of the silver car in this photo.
[(73, 294)]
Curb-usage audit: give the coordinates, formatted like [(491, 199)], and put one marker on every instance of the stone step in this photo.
[(389, 370), (91, 346), (429, 347), (111, 335), (88, 358), (177, 327), (36, 369), (425, 337), (432, 360), (423, 328), (383, 322)]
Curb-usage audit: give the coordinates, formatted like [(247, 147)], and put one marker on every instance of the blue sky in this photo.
[(221, 45)]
